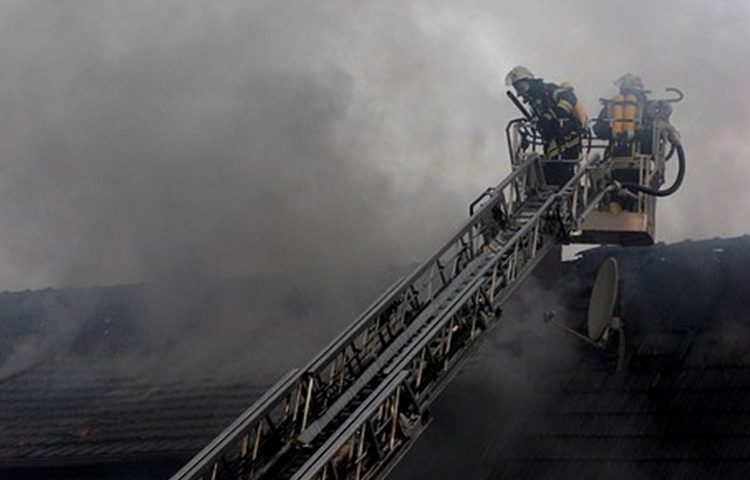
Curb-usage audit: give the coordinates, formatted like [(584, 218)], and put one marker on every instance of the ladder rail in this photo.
[(447, 348), (414, 294), (400, 287), (310, 397), (211, 453), (535, 241), (368, 334)]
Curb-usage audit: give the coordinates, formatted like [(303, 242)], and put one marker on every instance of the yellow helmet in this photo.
[(518, 73)]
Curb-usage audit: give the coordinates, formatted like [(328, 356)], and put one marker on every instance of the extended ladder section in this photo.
[(355, 409)]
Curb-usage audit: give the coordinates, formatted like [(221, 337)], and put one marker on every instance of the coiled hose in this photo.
[(676, 147)]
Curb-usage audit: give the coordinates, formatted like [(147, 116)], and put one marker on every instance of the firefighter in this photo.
[(560, 117), (624, 120), (621, 121)]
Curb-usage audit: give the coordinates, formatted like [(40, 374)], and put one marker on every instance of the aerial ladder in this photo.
[(357, 407)]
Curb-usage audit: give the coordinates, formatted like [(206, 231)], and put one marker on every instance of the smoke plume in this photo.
[(317, 147)]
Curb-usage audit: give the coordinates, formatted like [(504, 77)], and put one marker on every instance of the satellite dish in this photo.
[(603, 300)]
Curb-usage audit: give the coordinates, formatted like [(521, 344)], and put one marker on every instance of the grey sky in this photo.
[(142, 140)]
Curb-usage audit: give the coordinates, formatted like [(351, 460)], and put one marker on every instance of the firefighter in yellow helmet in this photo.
[(560, 117)]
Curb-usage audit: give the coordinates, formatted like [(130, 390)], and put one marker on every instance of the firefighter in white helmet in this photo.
[(560, 117), (624, 119)]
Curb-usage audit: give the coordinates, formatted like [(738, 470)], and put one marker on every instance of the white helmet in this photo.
[(518, 73), (630, 82)]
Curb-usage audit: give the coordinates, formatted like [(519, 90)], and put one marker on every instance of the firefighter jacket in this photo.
[(558, 122)]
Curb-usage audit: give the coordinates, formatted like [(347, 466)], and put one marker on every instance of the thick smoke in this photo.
[(176, 144), (323, 144), (307, 145), (145, 141)]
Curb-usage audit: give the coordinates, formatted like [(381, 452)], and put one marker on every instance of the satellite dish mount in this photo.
[(603, 316)]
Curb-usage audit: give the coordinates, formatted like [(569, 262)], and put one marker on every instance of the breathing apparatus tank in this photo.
[(624, 116)]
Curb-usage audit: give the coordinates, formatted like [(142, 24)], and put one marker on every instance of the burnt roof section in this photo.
[(83, 382), (100, 419)]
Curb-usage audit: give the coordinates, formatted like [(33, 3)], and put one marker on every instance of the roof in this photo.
[(683, 422), (89, 380), (102, 419), (681, 406)]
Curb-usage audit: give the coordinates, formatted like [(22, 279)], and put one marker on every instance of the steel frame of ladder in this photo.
[(354, 410)]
